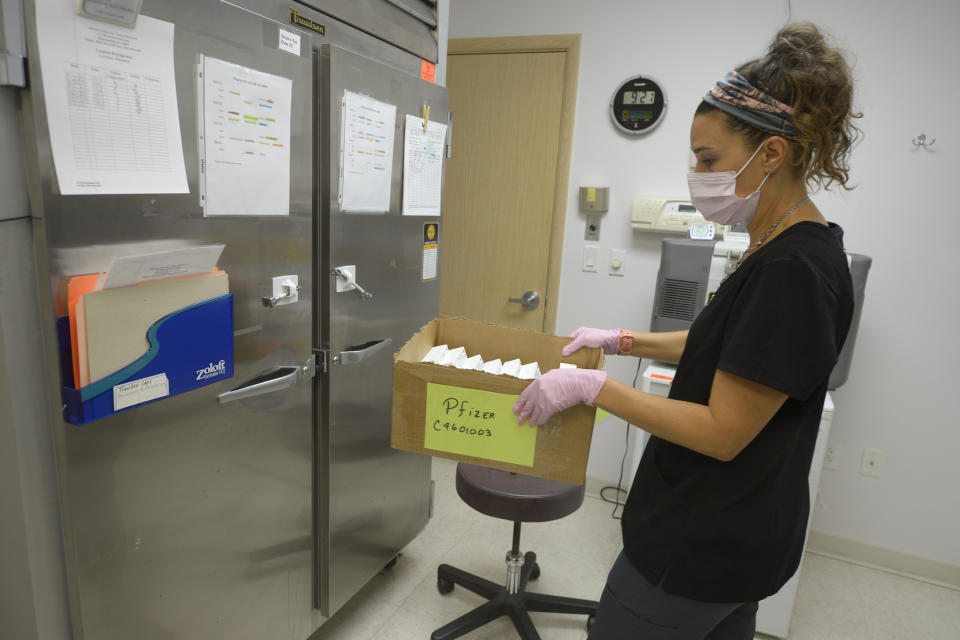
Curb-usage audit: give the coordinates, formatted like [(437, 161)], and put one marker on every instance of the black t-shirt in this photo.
[(733, 531)]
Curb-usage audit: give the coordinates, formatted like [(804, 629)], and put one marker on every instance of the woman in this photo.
[(716, 516)]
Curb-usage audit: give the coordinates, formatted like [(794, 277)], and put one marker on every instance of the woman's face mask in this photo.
[(714, 195)]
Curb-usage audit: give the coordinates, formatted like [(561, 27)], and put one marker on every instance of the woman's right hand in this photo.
[(607, 339)]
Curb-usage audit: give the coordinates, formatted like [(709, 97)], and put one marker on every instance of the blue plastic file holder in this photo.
[(189, 348)]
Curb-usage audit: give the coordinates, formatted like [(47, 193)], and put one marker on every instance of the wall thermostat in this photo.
[(638, 105)]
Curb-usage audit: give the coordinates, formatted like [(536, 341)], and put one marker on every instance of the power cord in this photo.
[(626, 447)]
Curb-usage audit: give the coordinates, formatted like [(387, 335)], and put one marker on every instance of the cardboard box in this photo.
[(465, 418)]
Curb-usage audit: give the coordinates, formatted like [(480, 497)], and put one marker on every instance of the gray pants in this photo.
[(632, 608)]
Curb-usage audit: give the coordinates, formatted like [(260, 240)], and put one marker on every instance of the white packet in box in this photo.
[(435, 353), (473, 363), (494, 367), (453, 357), (529, 371), (511, 368), (567, 365)]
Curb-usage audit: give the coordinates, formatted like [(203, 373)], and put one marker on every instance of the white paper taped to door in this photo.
[(111, 100), (245, 140), (367, 133), (422, 167)]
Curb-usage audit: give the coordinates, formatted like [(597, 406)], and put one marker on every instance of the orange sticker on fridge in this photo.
[(427, 70)]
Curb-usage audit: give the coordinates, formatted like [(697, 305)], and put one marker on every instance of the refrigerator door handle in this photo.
[(361, 352), (276, 379)]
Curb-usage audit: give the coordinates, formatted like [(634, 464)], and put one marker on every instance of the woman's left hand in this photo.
[(557, 390)]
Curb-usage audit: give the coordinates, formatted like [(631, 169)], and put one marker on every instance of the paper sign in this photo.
[(431, 249), (429, 271), (130, 270), (477, 423), (366, 153), (289, 42), (422, 166), (139, 391), (244, 140), (111, 99)]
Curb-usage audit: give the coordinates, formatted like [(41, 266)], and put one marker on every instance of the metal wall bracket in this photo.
[(13, 44)]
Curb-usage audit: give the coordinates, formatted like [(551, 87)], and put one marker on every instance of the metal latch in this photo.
[(321, 359), (347, 280), (309, 368), (286, 290)]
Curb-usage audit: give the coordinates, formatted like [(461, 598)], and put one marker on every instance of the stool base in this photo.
[(502, 603)]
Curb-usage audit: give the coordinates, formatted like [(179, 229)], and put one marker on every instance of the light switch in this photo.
[(617, 262), (590, 259)]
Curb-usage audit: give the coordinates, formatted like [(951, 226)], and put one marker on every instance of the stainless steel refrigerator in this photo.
[(258, 517)]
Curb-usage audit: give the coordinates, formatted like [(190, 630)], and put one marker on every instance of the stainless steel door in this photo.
[(187, 518), (373, 500)]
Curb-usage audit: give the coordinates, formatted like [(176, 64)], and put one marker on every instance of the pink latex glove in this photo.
[(557, 390), (609, 339)]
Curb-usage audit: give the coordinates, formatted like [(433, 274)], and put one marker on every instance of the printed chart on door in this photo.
[(246, 140)]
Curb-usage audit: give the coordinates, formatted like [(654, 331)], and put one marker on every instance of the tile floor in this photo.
[(836, 600)]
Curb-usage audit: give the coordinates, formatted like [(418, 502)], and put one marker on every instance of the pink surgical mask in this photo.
[(715, 197)]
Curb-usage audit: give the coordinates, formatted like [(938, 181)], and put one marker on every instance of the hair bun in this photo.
[(798, 38), (803, 70)]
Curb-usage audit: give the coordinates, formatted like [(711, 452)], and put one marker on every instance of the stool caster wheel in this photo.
[(392, 563), (444, 586), (536, 571), (590, 621)]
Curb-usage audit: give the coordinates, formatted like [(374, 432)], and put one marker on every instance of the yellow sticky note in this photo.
[(601, 414), (477, 423), (591, 194)]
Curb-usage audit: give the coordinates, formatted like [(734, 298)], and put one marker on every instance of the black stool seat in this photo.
[(519, 498), (516, 497)]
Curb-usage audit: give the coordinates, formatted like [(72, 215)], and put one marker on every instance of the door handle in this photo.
[(530, 300), (361, 352), (276, 379)]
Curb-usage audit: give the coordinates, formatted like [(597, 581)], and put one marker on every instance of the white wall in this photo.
[(901, 395)]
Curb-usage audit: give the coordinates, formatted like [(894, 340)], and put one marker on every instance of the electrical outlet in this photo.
[(831, 459), (872, 462)]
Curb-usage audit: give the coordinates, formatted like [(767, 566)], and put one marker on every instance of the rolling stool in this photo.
[(519, 498)]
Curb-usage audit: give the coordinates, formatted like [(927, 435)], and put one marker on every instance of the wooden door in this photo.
[(505, 200)]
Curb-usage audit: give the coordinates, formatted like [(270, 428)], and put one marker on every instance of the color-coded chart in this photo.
[(246, 140), (366, 170)]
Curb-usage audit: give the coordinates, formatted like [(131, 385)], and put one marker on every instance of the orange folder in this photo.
[(78, 286)]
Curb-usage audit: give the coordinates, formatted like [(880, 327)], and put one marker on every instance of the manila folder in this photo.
[(117, 320)]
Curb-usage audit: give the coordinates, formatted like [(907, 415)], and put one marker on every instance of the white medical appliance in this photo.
[(692, 270), (664, 214)]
